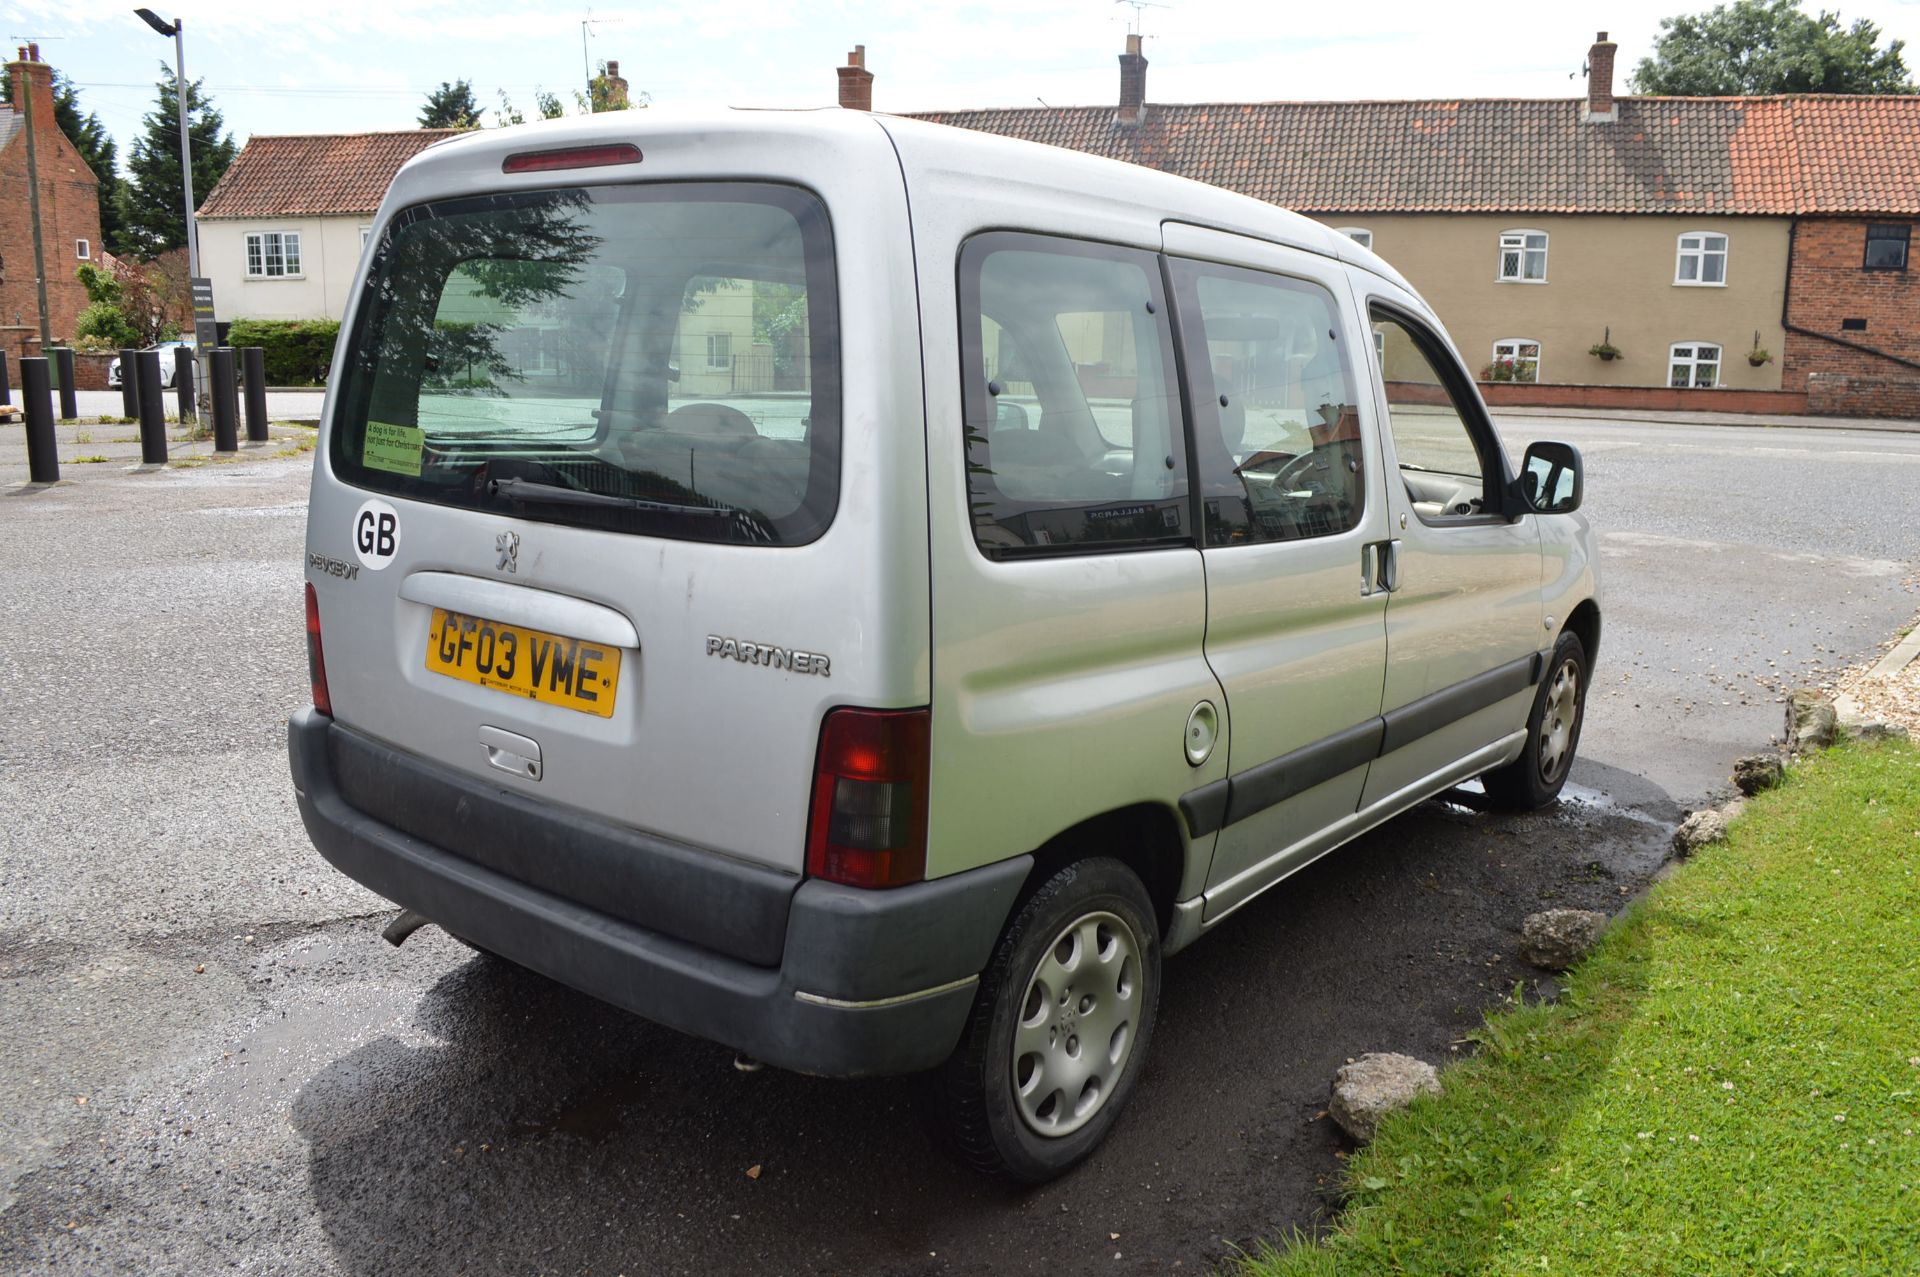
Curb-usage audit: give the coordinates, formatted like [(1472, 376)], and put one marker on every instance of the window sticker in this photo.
[(395, 449)]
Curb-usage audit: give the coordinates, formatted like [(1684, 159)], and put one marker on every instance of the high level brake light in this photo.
[(316, 659), (868, 827), (571, 157)]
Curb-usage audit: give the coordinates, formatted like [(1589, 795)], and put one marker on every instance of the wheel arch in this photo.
[(1584, 623), (1145, 837)]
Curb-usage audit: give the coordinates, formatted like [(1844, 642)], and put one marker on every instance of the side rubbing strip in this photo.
[(1275, 781), (1215, 806), (1205, 808), (1430, 713)]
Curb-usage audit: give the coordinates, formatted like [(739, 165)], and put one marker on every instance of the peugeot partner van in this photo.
[(863, 592)]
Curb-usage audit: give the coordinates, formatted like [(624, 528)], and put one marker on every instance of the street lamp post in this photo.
[(175, 29)]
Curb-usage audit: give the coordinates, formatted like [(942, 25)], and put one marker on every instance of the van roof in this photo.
[(866, 137)]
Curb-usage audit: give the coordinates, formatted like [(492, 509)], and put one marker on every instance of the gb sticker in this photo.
[(376, 534)]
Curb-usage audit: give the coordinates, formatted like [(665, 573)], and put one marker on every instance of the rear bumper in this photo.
[(868, 982)]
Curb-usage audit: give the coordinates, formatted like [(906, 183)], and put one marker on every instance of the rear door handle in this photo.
[(1389, 566)]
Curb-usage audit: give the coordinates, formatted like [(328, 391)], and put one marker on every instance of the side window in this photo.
[(1276, 427), (1446, 468), (1074, 437)]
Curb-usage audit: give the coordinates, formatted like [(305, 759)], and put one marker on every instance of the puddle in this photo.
[(1605, 804)]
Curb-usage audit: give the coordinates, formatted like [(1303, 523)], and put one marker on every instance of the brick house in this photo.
[(69, 213), (281, 235), (1719, 245)]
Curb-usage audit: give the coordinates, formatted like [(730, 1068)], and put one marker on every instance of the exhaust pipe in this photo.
[(396, 932)]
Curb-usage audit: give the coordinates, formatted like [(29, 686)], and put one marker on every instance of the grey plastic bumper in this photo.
[(869, 982)]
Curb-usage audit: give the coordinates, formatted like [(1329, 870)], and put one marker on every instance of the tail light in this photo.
[(316, 659), (869, 822)]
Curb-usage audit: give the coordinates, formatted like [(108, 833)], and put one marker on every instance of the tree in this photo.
[(96, 147), (548, 104), (156, 220), (451, 106), (1769, 46)]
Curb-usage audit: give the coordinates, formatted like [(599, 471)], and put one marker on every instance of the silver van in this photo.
[(862, 592)]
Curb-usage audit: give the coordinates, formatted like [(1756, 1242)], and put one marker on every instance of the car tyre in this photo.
[(1059, 1030), (1535, 779)]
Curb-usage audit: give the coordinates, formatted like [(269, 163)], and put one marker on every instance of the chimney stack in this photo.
[(617, 92), (1601, 107), (1133, 84), (30, 75), (856, 82)]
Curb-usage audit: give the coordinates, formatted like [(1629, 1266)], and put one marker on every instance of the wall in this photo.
[(1829, 286), (69, 210), (329, 256), (1603, 271), (1833, 394)]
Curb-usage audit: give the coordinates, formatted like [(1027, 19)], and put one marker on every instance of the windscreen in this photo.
[(658, 359)]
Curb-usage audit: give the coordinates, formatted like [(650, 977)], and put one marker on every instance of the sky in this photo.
[(368, 64)]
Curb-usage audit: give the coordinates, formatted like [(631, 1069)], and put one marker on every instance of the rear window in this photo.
[(657, 359)]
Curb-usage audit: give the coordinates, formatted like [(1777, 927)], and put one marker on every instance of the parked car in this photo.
[(1083, 551), (168, 369)]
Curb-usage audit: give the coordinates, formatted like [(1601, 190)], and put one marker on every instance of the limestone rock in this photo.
[(1698, 830), (1375, 1085), (1811, 721), (1756, 772), (1555, 939)]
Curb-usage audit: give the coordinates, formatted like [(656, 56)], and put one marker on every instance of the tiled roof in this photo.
[(315, 174), (1776, 155), (10, 124)]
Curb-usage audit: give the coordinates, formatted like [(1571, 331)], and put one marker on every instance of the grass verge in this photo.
[(1729, 1085)]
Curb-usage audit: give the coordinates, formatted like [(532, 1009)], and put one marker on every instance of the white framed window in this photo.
[(1358, 234), (1516, 359), (83, 250), (719, 350), (1693, 364), (1380, 346), (1702, 260), (1523, 257), (273, 254), (366, 232)]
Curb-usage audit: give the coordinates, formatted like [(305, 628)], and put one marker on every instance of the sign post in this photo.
[(206, 334)]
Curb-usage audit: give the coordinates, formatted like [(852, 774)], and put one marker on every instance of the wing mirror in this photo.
[(1550, 478)]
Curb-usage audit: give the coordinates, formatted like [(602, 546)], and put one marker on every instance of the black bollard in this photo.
[(183, 372), (153, 408), (226, 435), (253, 369), (36, 396), (63, 373), (129, 384), (6, 387)]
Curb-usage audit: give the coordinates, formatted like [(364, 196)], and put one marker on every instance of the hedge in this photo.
[(298, 351)]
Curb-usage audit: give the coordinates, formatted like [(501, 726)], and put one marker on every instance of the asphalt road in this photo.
[(210, 1062)]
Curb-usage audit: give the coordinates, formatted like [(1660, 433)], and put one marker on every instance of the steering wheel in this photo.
[(1288, 475)]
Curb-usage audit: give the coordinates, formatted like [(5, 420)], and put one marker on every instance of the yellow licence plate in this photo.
[(531, 663)]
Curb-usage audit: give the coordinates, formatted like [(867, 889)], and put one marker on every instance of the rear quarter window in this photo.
[(1074, 435)]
